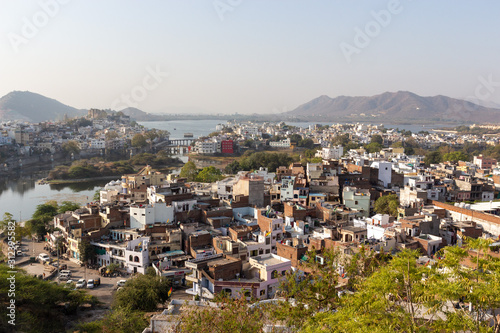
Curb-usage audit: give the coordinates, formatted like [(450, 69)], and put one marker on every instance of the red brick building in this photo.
[(227, 146)]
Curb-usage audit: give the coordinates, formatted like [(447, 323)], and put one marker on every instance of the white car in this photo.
[(43, 257), (80, 284), (65, 271), (90, 284), (121, 283)]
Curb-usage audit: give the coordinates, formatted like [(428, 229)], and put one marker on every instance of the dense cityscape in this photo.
[(281, 206), (237, 166)]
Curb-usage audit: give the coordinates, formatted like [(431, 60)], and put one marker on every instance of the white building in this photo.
[(133, 255), (280, 144), (287, 183), (384, 172), (97, 144), (206, 147), (225, 188), (328, 153), (143, 215), (111, 191)]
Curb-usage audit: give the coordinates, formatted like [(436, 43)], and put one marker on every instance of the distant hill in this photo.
[(394, 106), (140, 115), (28, 106)]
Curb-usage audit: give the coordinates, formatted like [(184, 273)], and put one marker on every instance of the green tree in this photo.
[(117, 321), (45, 211), (209, 175), (377, 139), (433, 157), (143, 292), (87, 251), (456, 156), (387, 204), (386, 302), (67, 206), (71, 146), (311, 293), (110, 135), (7, 220), (233, 315), (341, 140), (232, 168), (351, 145), (37, 227), (248, 143), (97, 195), (189, 171), (41, 306), (306, 143), (138, 141), (373, 147)]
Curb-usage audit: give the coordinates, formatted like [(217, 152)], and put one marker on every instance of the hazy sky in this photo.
[(246, 56)]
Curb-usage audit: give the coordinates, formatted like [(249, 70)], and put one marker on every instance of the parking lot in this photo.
[(104, 292)]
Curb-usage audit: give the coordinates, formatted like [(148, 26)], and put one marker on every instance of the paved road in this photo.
[(104, 292)]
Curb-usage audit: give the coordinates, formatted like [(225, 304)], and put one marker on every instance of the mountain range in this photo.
[(401, 106), (28, 106), (395, 106)]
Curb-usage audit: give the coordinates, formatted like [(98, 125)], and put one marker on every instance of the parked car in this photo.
[(97, 282), (121, 283), (80, 284), (43, 258), (63, 276), (90, 284), (65, 271), (19, 253)]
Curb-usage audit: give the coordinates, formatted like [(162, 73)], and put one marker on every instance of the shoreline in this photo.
[(81, 180)]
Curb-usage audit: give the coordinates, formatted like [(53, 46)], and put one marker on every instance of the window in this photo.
[(262, 292), (130, 258), (274, 274), (283, 272), (136, 259)]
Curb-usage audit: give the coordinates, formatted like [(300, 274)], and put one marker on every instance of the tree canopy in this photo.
[(387, 204), (143, 293), (139, 141), (189, 171)]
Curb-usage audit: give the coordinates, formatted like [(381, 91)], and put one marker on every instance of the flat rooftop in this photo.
[(219, 262), (267, 261)]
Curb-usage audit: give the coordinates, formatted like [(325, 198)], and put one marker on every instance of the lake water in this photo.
[(177, 128), (21, 196)]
